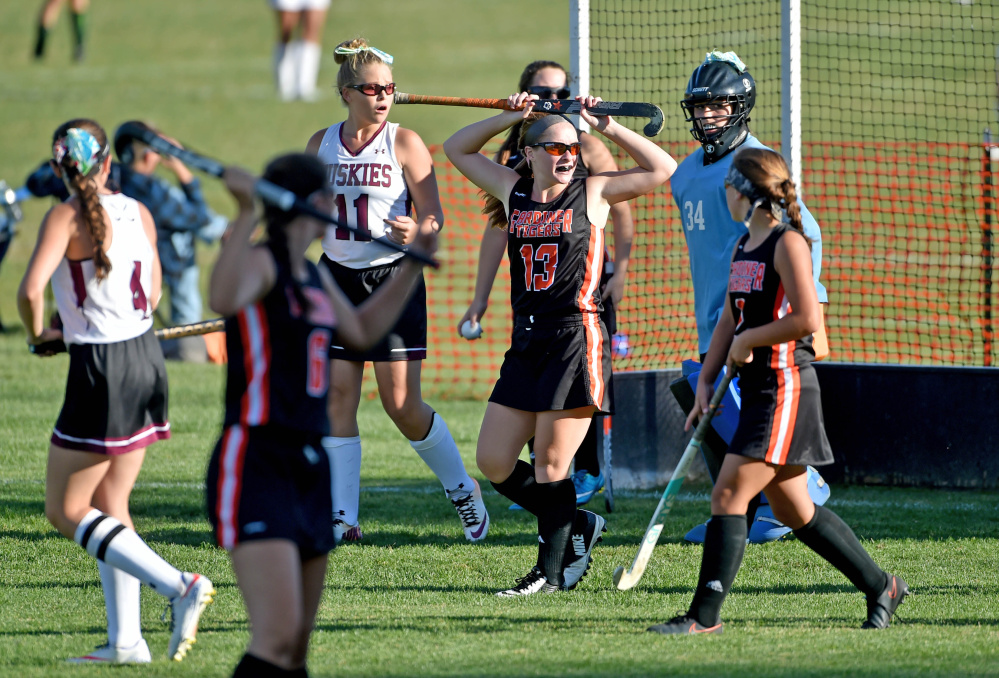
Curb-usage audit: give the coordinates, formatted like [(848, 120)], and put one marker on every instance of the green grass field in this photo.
[(414, 598)]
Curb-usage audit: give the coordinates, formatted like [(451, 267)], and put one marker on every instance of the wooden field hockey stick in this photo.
[(269, 192), (190, 330), (628, 109), (625, 579)]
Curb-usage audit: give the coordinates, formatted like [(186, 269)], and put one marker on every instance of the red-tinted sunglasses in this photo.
[(557, 148), (372, 89)]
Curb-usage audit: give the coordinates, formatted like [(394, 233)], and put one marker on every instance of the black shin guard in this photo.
[(586, 455), (521, 487), (831, 538), (255, 667), (555, 521), (754, 504), (724, 546)]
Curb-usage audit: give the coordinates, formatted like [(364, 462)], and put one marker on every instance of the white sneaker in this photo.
[(112, 654), (185, 612), (472, 510), (531, 583), (343, 532)]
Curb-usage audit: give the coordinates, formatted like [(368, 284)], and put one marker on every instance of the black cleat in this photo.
[(881, 608), (531, 583), (682, 625)]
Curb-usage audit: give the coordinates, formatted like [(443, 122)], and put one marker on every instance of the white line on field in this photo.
[(687, 497)]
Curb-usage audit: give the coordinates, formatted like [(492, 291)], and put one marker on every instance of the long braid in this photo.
[(789, 195), (79, 148)]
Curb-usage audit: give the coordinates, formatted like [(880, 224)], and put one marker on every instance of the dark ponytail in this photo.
[(79, 147), (303, 174)]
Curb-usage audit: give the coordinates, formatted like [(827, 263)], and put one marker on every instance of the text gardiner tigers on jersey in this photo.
[(540, 224), (746, 276)]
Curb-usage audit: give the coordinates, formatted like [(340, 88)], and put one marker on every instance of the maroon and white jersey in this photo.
[(370, 187), (118, 307)]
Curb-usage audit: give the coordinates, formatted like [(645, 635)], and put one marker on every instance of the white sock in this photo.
[(345, 469), (285, 60), (309, 56), (121, 599), (105, 538), (439, 452)]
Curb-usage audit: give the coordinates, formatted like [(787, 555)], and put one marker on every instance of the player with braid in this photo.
[(718, 101), (269, 496), (549, 80), (99, 250), (765, 331), (380, 173), (554, 376)]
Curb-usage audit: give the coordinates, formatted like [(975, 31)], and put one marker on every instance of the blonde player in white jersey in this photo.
[(99, 250), (380, 173)]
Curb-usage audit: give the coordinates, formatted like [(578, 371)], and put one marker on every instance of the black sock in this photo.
[(586, 455), (831, 538), (79, 27), (555, 519), (521, 487), (255, 667), (754, 504), (530, 449), (724, 546), (43, 34)]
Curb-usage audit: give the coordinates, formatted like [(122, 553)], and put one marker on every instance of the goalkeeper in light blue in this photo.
[(718, 100)]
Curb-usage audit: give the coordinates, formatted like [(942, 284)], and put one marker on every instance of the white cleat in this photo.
[(185, 612), (472, 511), (112, 654)]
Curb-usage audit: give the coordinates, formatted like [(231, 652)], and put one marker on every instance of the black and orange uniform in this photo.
[(559, 356), (269, 476), (781, 418)]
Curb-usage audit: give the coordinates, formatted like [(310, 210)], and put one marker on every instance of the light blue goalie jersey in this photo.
[(711, 233)]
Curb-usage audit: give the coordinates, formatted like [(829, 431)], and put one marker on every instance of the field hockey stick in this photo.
[(625, 579), (190, 330), (628, 109), (269, 192), (608, 474)]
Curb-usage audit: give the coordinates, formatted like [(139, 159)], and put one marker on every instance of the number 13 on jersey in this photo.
[(546, 257)]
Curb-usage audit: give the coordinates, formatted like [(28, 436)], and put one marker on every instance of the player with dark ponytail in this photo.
[(269, 481), (99, 250), (765, 331)]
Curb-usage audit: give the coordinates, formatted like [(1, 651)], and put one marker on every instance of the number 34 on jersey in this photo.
[(693, 216)]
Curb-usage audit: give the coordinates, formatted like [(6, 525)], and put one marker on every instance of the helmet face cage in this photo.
[(739, 115)]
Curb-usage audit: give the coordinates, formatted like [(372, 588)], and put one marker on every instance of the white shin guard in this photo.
[(121, 599), (439, 451), (345, 472), (309, 56), (106, 539), (285, 69)]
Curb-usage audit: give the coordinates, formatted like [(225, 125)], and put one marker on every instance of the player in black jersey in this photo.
[(269, 477), (554, 376), (549, 80), (765, 331)]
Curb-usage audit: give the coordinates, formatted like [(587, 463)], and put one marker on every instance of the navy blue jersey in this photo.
[(556, 254), (756, 295), (278, 370)]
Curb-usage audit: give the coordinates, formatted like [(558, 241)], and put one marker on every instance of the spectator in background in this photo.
[(296, 64), (50, 14), (181, 215)]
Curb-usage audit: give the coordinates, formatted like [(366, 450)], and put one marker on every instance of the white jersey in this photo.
[(116, 308), (370, 187)]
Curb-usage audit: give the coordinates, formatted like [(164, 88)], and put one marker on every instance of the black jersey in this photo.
[(278, 367), (757, 297), (556, 254)]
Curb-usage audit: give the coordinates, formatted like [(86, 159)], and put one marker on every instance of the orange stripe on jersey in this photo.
[(230, 485), (256, 340), (785, 415), (591, 321)]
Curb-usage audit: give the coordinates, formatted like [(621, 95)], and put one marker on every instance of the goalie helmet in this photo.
[(721, 79)]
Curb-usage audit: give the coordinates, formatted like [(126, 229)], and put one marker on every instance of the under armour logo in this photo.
[(715, 585), (541, 539), (380, 150)]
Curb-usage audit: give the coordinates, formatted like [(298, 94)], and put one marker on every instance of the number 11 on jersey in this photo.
[(361, 220)]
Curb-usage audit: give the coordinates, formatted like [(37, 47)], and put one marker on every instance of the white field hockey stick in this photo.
[(625, 579)]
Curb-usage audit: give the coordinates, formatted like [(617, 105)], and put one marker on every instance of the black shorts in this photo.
[(780, 420), (555, 366), (408, 339), (116, 397), (265, 482)]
